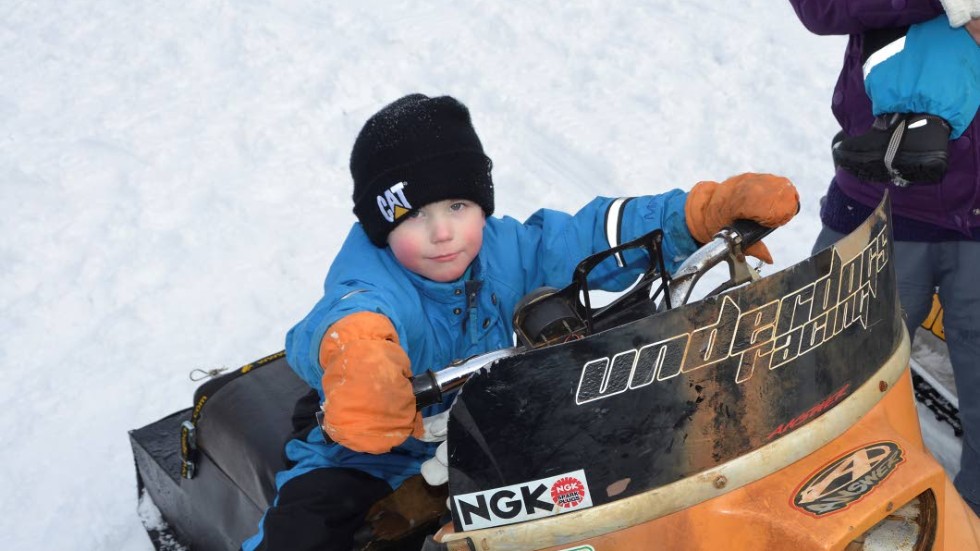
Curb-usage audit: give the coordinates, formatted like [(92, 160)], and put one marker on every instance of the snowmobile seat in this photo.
[(210, 469), (244, 422)]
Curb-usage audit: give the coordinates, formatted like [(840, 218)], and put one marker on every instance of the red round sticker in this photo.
[(568, 492)]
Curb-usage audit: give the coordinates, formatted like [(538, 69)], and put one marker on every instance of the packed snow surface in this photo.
[(174, 181)]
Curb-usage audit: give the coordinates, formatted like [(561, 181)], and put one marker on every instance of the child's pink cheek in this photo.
[(475, 235), (407, 253)]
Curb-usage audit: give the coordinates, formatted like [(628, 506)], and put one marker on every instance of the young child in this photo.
[(924, 85), (426, 277)]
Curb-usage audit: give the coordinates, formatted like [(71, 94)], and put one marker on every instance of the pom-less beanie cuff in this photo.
[(415, 151), (397, 192)]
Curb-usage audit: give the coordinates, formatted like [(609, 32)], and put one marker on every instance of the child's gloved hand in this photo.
[(435, 428), (368, 401), (435, 471), (765, 198)]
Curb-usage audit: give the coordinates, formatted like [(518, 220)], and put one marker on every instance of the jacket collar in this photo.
[(449, 292)]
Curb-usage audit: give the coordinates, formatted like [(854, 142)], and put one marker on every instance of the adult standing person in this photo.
[(936, 227)]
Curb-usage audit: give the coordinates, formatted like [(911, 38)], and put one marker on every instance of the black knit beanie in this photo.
[(415, 151)]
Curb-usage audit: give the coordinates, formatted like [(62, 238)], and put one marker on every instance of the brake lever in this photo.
[(727, 247), (739, 270)]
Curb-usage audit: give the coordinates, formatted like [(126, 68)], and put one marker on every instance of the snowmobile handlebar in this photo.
[(751, 231), (431, 387), (727, 246)]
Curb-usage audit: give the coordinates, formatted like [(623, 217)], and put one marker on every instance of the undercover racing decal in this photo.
[(847, 479), (765, 337), (526, 501)]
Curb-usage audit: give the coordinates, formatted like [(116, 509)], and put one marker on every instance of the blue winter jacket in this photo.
[(441, 322), (947, 211)]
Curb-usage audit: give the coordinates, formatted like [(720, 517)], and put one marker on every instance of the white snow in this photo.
[(174, 180)]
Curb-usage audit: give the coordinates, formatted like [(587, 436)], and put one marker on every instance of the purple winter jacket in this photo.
[(947, 211)]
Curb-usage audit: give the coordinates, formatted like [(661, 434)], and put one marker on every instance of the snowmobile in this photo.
[(774, 413)]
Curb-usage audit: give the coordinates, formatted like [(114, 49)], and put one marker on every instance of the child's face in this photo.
[(439, 240)]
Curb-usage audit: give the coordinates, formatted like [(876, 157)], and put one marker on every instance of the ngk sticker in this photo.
[(568, 492), (521, 502)]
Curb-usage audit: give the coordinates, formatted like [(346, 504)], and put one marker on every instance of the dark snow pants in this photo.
[(320, 510), (952, 268)]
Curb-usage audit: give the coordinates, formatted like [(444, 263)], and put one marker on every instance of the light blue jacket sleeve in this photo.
[(303, 340), (552, 243), (358, 281)]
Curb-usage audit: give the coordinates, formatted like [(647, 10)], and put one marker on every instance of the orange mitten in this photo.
[(368, 401), (765, 198)]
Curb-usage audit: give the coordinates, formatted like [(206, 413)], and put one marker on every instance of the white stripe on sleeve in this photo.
[(614, 217), (883, 54)]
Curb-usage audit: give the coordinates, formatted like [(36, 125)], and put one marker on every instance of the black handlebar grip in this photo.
[(751, 231), (426, 390)]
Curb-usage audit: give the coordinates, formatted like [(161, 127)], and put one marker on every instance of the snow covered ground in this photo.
[(174, 180)]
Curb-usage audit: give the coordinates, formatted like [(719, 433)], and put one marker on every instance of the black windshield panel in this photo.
[(673, 394)]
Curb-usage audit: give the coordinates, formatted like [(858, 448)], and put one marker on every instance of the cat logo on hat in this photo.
[(393, 203)]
